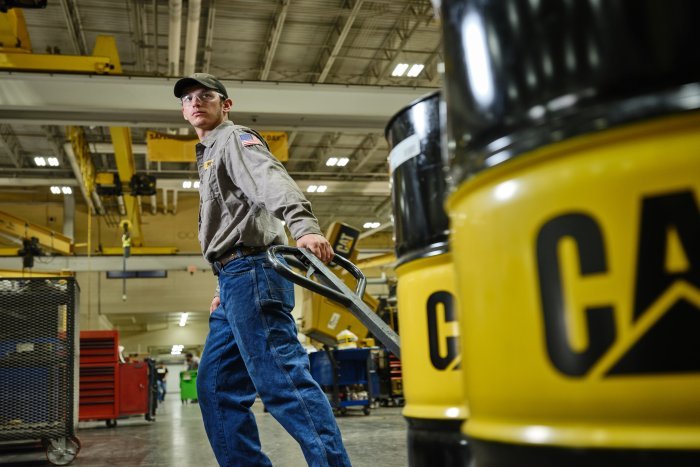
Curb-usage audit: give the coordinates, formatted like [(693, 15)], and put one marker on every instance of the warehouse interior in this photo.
[(517, 183), (85, 84)]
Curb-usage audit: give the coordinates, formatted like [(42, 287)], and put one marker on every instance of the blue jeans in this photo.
[(162, 389), (252, 348)]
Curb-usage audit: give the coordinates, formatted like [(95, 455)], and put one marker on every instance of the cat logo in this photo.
[(444, 346), (660, 337)]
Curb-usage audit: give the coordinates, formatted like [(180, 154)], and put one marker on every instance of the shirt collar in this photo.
[(209, 140)]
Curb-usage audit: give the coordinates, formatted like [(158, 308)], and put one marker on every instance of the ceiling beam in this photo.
[(112, 100), (339, 41), (403, 35), (366, 150), (274, 39), (209, 37), (10, 145), (75, 28)]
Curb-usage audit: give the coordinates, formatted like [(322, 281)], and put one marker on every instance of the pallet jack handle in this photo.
[(330, 286), (303, 259)]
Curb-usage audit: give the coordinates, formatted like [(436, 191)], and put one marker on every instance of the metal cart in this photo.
[(38, 365), (345, 376)]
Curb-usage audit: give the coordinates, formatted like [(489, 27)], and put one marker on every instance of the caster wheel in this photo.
[(111, 423), (61, 451), (365, 411)]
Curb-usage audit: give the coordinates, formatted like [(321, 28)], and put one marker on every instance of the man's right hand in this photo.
[(216, 301)]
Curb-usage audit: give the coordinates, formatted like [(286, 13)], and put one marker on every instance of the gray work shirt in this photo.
[(244, 191)]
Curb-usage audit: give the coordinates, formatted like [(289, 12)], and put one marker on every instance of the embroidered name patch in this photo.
[(250, 140), (208, 163)]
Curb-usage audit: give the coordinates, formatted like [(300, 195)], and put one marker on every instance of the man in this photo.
[(161, 377), (191, 361), (252, 346)]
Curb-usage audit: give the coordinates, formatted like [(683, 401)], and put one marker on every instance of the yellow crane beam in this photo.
[(21, 228), (124, 157)]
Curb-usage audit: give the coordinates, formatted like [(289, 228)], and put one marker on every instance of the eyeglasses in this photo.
[(206, 96)]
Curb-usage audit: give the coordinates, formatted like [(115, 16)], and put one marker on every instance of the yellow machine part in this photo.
[(430, 349), (16, 51), (14, 37), (578, 269), (323, 319)]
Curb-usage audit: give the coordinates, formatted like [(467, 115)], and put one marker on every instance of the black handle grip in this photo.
[(303, 259)]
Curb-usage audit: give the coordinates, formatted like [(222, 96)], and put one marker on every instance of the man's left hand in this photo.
[(318, 245)]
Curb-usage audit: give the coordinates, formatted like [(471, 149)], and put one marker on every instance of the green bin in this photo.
[(188, 386)]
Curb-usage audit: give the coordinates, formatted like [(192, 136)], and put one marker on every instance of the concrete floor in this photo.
[(177, 439)]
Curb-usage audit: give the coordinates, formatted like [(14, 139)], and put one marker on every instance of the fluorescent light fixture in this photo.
[(312, 189), (177, 349), (56, 190), (343, 161), (187, 184), (331, 161), (196, 184), (40, 161), (53, 161), (415, 70), (400, 69), (321, 189), (371, 225), (66, 190), (183, 318)]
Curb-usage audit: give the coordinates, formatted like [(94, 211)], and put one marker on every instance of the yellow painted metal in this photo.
[(18, 56), (278, 142), (78, 143), (162, 147), (106, 46), (43, 62), (9, 251), (13, 32), (322, 318), (31, 273), (140, 250), (20, 228), (553, 250), (430, 351), (123, 154), (376, 261)]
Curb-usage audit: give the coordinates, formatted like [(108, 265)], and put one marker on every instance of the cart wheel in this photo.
[(343, 411), (111, 423), (61, 451), (365, 410)]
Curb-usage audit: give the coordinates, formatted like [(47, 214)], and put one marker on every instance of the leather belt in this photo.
[(235, 253)]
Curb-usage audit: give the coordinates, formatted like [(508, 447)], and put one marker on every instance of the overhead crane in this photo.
[(16, 54)]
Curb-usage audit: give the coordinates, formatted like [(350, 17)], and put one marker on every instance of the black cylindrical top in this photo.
[(520, 74), (418, 178)]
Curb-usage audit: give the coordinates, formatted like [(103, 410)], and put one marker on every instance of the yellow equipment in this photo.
[(428, 306), (322, 318), (575, 228)]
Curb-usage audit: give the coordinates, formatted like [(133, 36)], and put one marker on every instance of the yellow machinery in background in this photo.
[(322, 318), (16, 54), (426, 298)]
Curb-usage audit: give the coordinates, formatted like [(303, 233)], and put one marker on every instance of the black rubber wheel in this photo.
[(365, 410), (111, 423)]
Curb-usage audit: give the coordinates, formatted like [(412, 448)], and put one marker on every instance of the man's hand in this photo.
[(318, 245), (216, 301)]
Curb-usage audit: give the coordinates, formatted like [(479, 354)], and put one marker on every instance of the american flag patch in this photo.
[(250, 140)]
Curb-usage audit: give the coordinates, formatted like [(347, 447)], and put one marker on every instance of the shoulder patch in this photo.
[(250, 140)]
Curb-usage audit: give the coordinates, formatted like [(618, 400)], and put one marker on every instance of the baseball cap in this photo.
[(204, 79)]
